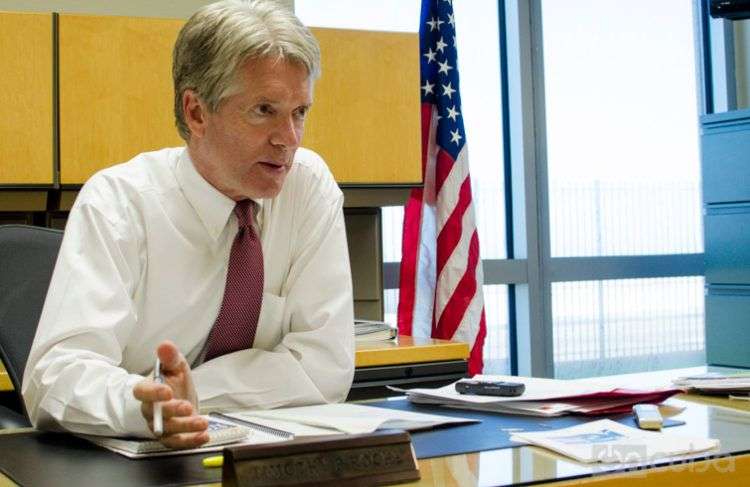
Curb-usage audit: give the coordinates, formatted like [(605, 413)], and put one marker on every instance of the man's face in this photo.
[(245, 149)]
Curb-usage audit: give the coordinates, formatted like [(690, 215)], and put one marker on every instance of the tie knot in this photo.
[(244, 211)]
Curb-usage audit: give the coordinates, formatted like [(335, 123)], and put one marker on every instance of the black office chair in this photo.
[(27, 258)]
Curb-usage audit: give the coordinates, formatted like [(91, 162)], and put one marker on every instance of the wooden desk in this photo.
[(726, 420), (407, 361), (407, 350), (705, 416), (5, 384)]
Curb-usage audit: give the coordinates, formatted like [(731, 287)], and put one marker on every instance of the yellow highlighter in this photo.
[(211, 462)]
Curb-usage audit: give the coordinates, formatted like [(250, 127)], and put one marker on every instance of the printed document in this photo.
[(543, 397), (607, 441), (276, 425)]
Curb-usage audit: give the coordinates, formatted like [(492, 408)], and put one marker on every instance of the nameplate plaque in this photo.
[(380, 458)]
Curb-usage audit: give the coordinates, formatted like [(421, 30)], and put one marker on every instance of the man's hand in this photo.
[(183, 426)]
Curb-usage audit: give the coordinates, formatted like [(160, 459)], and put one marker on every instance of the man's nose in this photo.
[(287, 133)]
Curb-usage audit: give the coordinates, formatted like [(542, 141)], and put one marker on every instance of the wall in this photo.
[(176, 9), (363, 225)]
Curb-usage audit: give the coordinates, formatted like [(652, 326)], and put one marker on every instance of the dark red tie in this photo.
[(238, 317)]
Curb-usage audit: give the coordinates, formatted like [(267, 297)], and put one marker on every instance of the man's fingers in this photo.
[(175, 407), (171, 358), (185, 440), (189, 424), (149, 391)]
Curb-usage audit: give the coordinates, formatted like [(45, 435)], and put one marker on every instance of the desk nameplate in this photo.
[(380, 458)]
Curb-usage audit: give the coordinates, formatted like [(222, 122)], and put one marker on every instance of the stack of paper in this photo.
[(544, 397), (368, 330), (278, 425), (607, 441), (713, 383), (342, 418)]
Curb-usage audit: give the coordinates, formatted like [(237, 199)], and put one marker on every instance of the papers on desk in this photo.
[(276, 425), (713, 383), (607, 441), (221, 432), (544, 397), (370, 330), (344, 418)]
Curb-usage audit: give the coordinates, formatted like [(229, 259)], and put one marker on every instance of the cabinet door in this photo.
[(728, 336), (116, 94), (26, 156), (726, 157), (365, 120), (116, 99), (727, 253)]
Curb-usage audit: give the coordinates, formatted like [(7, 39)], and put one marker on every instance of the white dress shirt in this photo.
[(144, 259)]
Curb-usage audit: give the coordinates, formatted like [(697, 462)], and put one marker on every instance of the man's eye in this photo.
[(301, 112), (263, 110)]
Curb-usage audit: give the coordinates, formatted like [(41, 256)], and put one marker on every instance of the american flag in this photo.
[(441, 273)]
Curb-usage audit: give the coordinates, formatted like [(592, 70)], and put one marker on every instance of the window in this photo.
[(623, 172), (600, 135)]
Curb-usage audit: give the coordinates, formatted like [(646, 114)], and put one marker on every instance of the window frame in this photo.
[(529, 270)]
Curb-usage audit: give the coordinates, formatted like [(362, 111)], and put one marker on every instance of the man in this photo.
[(226, 258)]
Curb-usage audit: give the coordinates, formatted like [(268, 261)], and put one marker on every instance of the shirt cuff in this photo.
[(133, 421)]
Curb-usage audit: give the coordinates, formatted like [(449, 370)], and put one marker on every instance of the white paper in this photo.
[(607, 441), (716, 383), (351, 418), (536, 390), (130, 447)]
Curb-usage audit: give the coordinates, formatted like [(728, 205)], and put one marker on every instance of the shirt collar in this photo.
[(212, 206)]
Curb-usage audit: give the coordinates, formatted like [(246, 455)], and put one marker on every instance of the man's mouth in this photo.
[(273, 165)]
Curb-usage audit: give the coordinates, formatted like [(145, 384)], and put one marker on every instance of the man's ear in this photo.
[(194, 111)]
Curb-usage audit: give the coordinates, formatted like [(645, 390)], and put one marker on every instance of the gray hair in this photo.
[(219, 38)]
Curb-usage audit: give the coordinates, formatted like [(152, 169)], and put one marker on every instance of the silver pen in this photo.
[(158, 420)]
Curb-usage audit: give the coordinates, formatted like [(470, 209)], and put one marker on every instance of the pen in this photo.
[(210, 462), (158, 421)]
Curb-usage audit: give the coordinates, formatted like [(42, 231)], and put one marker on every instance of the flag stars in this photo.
[(433, 24), (451, 20), (444, 67), (448, 90), (430, 55), (453, 113), (455, 136), (428, 87), (441, 45)]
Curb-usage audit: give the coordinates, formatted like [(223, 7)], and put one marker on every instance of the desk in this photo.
[(407, 350), (407, 361), (713, 417), (5, 383), (403, 351), (719, 418)]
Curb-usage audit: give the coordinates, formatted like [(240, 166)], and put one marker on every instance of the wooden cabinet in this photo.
[(115, 99), (365, 119), (115, 91), (26, 109)]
